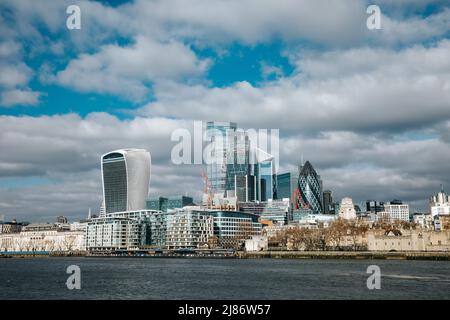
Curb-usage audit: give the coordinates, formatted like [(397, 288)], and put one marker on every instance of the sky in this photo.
[(370, 109)]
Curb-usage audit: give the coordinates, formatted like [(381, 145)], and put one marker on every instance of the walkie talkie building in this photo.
[(126, 178)]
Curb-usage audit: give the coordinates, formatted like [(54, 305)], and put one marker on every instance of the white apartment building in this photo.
[(188, 229), (109, 234), (397, 211)]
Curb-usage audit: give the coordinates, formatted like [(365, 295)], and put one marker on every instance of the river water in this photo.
[(196, 278)]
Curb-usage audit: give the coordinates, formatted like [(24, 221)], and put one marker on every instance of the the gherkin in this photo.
[(309, 189)]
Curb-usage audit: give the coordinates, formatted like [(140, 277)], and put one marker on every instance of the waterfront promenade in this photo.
[(363, 255)]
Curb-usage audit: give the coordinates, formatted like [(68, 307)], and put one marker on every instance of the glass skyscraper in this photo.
[(310, 189), (216, 169), (286, 184), (125, 179), (236, 171)]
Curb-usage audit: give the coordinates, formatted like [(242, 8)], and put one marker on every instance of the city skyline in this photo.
[(368, 108)]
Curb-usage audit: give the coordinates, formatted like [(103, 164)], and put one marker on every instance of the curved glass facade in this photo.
[(115, 183), (126, 178), (310, 189)]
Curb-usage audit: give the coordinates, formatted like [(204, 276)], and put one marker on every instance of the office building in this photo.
[(309, 194), (286, 185), (233, 228), (168, 203), (126, 178), (236, 167), (440, 204), (373, 206), (221, 135), (347, 209), (277, 211), (328, 207), (396, 210)]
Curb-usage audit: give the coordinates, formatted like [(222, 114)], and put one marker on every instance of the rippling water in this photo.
[(178, 278)]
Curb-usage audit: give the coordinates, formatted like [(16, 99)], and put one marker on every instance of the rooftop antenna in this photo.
[(442, 188)]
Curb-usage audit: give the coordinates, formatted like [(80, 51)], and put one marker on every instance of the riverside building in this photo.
[(42, 238)]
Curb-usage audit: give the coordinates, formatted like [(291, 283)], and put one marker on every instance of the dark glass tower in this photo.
[(126, 178), (327, 202), (310, 189), (115, 182)]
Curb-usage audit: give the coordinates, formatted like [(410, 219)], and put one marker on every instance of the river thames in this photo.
[(196, 278)]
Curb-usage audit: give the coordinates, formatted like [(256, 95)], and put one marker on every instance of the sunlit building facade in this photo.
[(310, 189), (126, 178)]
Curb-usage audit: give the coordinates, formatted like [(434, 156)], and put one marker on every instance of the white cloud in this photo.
[(355, 89), (127, 70), (14, 77), (14, 97), (64, 152)]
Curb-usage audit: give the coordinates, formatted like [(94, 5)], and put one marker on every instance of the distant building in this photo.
[(313, 220), (237, 168), (440, 204), (396, 211), (126, 178), (301, 213), (310, 189), (347, 209), (423, 220), (277, 211), (217, 170), (327, 202), (61, 219), (415, 240), (10, 227), (374, 206), (168, 203), (256, 243)]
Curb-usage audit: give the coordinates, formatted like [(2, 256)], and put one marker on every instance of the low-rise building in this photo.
[(424, 220), (43, 238), (409, 240), (256, 243), (277, 211)]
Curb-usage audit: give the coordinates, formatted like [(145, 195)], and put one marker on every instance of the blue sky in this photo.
[(351, 100)]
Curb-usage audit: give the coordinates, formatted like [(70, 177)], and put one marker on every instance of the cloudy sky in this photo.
[(369, 108)]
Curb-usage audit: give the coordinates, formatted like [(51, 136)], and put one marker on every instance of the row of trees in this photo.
[(330, 238)]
